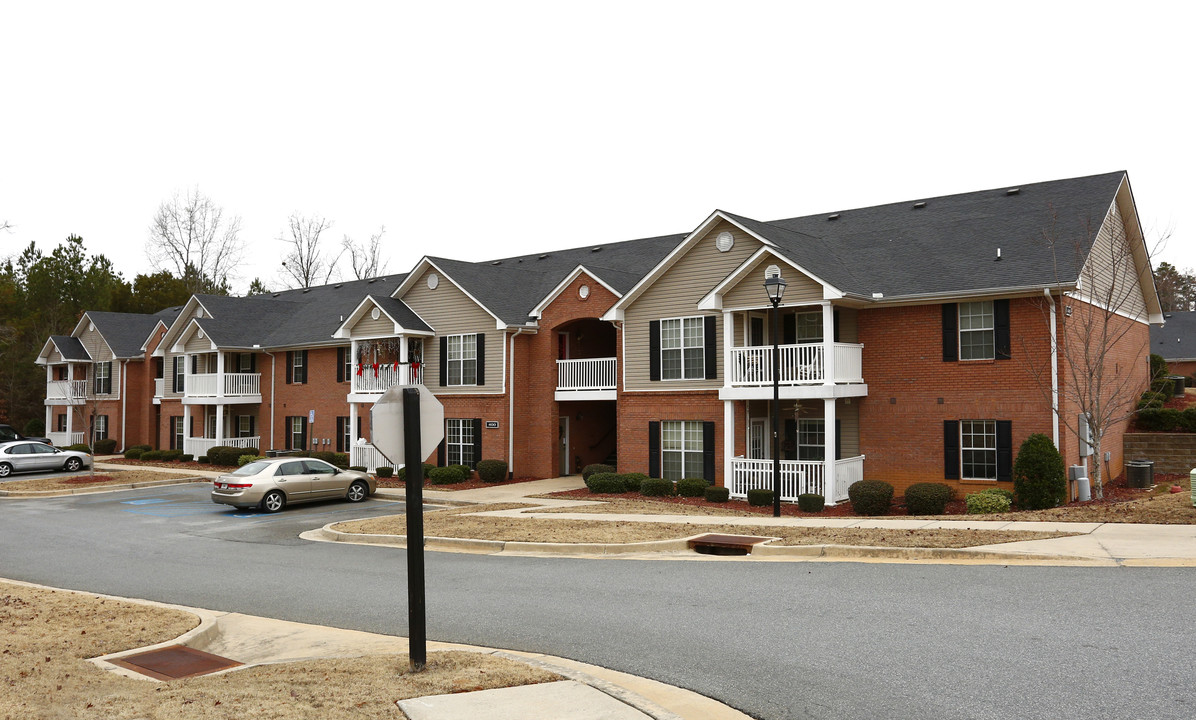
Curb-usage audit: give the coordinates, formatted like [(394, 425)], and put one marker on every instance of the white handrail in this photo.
[(586, 374)]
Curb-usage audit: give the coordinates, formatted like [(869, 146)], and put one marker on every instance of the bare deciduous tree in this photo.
[(1094, 330), (304, 263), (366, 259), (191, 237)]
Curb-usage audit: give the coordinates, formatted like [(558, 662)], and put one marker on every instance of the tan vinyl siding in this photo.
[(749, 292), (1111, 261), (168, 374), (450, 312), (95, 346), (848, 328), (369, 327), (196, 344), (849, 427), (676, 294), (54, 357)]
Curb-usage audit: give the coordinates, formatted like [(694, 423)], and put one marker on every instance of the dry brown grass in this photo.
[(1158, 509), (83, 481), (459, 523), (47, 635)]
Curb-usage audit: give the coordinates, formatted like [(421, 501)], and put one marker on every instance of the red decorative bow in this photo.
[(375, 369), (360, 367)]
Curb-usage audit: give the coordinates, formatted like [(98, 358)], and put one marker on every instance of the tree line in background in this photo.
[(1177, 290)]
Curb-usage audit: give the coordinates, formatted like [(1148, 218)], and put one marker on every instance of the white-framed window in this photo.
[(681, 449), (809, 326), (244, 362), (978, 449), (682, 349), (298, 433), (462, 360), (459, 442), (244, 426), (101, 427), (180, 373), (60, 422), (176, 432), (210, 426), (811, 439), (976, 331), (103, 378)]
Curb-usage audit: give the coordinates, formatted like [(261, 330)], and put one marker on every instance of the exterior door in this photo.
[(563, 443), (757, 439)]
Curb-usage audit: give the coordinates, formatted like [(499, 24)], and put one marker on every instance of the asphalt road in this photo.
[(776, 640)]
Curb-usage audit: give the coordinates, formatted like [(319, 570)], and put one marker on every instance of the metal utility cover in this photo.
[(386, 423), (174, 662)]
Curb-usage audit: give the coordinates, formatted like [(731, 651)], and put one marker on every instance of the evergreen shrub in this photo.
[(870, 497), (657, 487), (927, 498), (716, 494), (759, 497), (445, 476), (1039, 477), (384, 471), (692, 487), (107, 446), (632, 481), (810, 502), (606, 483), (492, 471), (986, 503), (589, 470)]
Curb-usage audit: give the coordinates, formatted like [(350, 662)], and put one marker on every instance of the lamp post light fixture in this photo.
[(775, 287)]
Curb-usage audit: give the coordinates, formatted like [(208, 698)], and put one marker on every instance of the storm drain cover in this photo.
[(717, 544), (174, 662)]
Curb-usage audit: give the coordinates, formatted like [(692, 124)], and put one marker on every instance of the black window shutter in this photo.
[(340, 432), (708, 443), (710, 338), (359, 426), (788, 329), (302, 433), (252, 362), (443, 365), (481, 361), (340, 365), (1001, 328), (194, 364), (654, 442), (174, 374), (290, 369), (790, 439), (951, 449), (287, 435), (835, 316), (654, 352), (951, 337), (440, 453), (477, 441), (253, 427), (303, 367), (838, 439), (108, 380), (1004, 450), (191, 427)]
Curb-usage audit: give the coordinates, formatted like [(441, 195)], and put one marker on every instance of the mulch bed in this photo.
[(171, 464), (87, 479), (471, 484), (1115, 492)]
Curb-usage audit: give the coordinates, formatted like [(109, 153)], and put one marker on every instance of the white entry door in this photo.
[(564, 444), (757, 439)]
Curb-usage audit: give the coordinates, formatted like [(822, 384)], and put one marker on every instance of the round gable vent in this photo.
[(583, 292), (433, 281), (199, 333), (772, 271), (725, 241), (375, 314)]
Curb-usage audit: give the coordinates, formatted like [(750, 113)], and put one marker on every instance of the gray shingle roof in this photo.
[(70, 348), (125, 333), (398, 310), (1175, 340)]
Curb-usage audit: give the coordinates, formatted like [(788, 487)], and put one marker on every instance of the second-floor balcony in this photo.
[(244, 387), (66, 392), (375, 380), (799, 365), (587, 379)]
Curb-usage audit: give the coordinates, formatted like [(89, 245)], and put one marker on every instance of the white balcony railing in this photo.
[(367, 456), (234, 384), (64, 439), (587, 374), (797, 477), (801, 364), (66, 391), (200, 445), (380, 379)]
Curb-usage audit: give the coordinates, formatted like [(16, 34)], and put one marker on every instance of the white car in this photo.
[(30, 456)]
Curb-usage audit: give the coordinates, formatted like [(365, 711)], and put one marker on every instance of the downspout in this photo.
[(511, 412), (1054, 369), (124, 393), (271, 398)]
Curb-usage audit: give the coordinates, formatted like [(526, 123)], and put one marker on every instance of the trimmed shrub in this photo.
[(589, 470), (1187, 419), (870, 497), (153, 455), (927, 498), (1158, 367), (228, 456), (202, 460), (402, 475), (133, 453), (759, 497), (986, 503), (79, 447), (717, 494), (340, 460), (1007, 494), (692, 487), (384, 471), (186, 457), (1159, 420), (360, 468), (657, 487), (34, 428), (492, 471), (246, 459), (107, 446), (1039, 478), (1150, 401), (632, 481), (445, 476), (810, 502), (465, 471), (606, 483), (172, 455)]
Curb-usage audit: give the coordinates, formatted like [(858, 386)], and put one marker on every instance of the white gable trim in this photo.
[(192, 327), (713, 300), (414, 276), (560, 288), (180, 323), (343, 332), (145, 345), (81, 326), (616, 310)]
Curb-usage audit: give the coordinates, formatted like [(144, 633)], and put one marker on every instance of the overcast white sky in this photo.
[(481, 130)]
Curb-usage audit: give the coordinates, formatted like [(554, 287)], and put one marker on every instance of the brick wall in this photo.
[(1171, 452), (637, 409)]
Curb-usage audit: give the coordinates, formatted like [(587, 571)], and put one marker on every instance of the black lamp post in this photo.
[(775, 287)]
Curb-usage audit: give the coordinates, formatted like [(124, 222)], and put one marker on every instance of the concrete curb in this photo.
[(898, 553), (105, 489), (493, 547)]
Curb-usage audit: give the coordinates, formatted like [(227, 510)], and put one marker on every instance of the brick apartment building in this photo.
[(916, 343)]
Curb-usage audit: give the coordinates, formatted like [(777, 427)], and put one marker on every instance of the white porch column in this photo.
[(186, 425), (219, 425), (353, 424), (828, 343), (828, 448), (403, 361), (728, 440), (728, 343), (352, 367), (219, 387), (49, 427)]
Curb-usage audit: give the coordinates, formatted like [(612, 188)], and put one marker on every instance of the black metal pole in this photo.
[(416, 616), (776, 415)]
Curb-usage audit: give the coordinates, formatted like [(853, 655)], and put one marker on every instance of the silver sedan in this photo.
[(29, 456), (277, 482)]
